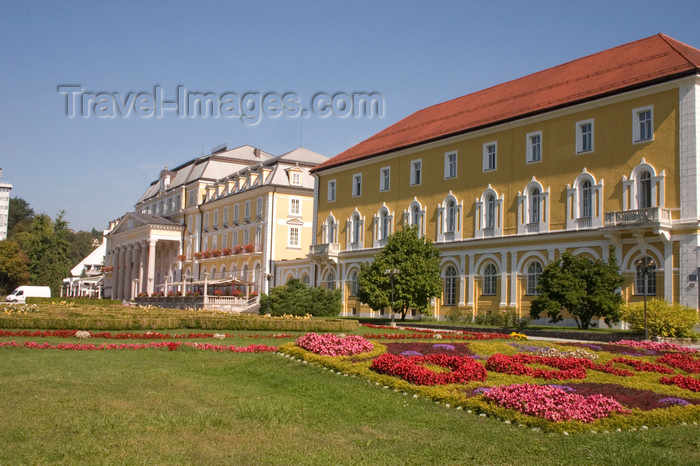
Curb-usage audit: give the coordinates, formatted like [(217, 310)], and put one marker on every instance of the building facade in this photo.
[(601, 151), (5, 189), (219, 222)]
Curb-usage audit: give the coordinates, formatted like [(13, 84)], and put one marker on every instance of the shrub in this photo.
[(459, 315), (663, 319), (507, 318), (295, 298)]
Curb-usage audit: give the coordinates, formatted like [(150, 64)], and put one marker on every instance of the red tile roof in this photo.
[(640, 63)]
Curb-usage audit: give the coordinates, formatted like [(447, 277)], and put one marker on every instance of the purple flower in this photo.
[(410, 353), (476, 356), (444, 346), (481, 390), (674, 401), (566, 388)]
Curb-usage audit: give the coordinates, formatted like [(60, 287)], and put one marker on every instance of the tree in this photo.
[(20, 216), (582, 287), (48, 251), (417, 281), (14, 267)]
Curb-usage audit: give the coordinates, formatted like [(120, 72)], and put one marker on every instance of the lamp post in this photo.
[(392, 273), (644, 266), (206, 277)]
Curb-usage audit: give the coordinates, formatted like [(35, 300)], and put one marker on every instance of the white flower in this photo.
[(82, 334), (438, 337), (219, 336)]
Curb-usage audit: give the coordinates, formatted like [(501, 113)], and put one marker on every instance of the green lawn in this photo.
[(191, 406)]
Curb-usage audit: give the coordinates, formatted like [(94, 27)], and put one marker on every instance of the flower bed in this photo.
[(171, 345), (461, 369), (656, 346), (554, 403), (129, 335), (614, 390), (333, 345)]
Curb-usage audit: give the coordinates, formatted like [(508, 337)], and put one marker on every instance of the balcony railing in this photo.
[(325, 249), (584, 222), (533, 227), (649, 216)]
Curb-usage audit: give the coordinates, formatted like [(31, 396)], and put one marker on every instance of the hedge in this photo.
[(91, 301)]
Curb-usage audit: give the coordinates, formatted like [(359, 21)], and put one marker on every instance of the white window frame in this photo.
[(490, 279), (259, 207), (532, 155), (580, 136), (416, 172), (450, 286), (236, 214), (331, 190), (246, 212), (225, 219), (486, 166), (384, 179), (533, 278), (216, 219), (450, 164), (295, 206), (294, 238), (636, 124), (357, 185), (295, 178)]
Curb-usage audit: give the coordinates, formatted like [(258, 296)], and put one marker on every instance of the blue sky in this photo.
[(414, 53)]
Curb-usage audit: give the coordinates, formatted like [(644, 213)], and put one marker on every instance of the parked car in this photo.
[(21, 293)]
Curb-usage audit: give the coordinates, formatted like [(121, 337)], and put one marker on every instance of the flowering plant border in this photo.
[(463, 369)]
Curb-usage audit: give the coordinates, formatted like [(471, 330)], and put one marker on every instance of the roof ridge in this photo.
[(668, 40)]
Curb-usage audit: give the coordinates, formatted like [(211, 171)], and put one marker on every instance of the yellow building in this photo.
[(600, 151), (219, 221)]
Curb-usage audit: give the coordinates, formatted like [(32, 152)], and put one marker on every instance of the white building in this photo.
[(4, 207)]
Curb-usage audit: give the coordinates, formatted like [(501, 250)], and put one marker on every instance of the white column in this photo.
[(115, 274), (143, 288), (120, 278), (127, 272), (470, 281), (513, 279), (504, 279), (462, 280), (668, 271), (135, 272), (150, 276)]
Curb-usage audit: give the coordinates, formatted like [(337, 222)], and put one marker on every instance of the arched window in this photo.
[(244, 273), (212, 275), (649, 284), (384, 224), (223, 271), (644, 190), (451, 216), (490, 280), (330, 281), (305, 279), (586, 200), (450, 293), (490, 211), (535, 205), (356, 225), (331, 230), (257, 273), (202, 273), (354, 287), (534, 270)]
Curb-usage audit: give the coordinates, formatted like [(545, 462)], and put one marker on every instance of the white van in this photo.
[(21, 293)]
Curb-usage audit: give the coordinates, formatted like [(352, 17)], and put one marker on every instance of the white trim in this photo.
[(485, 154), (636, 130), (357, 192), (529, 158), (383, 188), (411, 178)]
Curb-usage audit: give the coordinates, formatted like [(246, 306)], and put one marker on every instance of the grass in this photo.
[(189, 406)]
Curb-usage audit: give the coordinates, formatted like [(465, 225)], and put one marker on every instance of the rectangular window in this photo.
[(246, 236), (357, 185), (224, 241), (191, 202), (331, 190), (225, 217), (259, 207), (584, 136), (216, 219), (416, 172), (643, 129), (295, 206), (293, 237), (296, 178), (206, 221), (384, 179), (489, 156), (235, 214), (534, 147), (234, 240), (246, 213), (450, 164)]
